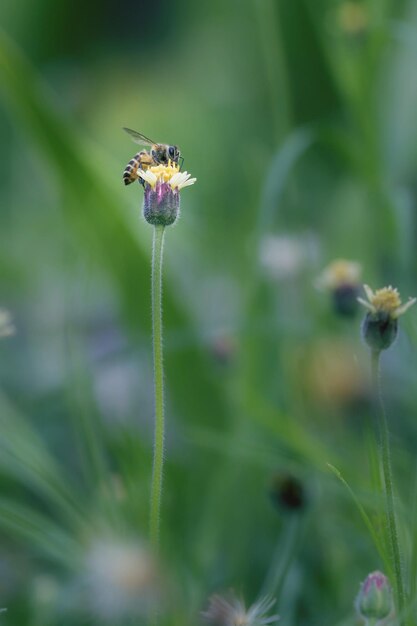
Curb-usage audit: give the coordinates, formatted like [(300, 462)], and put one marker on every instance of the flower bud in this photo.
[(287, 492), (379, 330), (374, 600), (345, 300), (161, 204)]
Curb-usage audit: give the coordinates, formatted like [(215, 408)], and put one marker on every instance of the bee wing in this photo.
[(142, 140)]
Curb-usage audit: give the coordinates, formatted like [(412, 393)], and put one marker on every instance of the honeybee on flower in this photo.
[(158, 153), (159, 172)]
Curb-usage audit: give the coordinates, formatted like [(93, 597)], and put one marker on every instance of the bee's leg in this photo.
[(141, 181), (155, 157), (180, 162)]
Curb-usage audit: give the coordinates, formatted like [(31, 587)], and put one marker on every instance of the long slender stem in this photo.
[(388, 485), (158, 458)]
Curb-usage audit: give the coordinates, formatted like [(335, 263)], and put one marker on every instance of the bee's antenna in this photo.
[(181, 162)]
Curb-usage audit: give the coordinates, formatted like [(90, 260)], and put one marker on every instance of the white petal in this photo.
[(187, 183), (181, 179), (402, 309), (175, 180), (366, 304), (148, 176), (369, 292)]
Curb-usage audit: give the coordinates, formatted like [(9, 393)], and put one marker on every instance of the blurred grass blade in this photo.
[(24, 456), (287, 430), (295, 146), (366, 520), (39, 532), (246, 451)]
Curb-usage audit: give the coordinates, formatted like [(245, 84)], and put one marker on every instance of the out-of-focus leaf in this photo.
[(24, 523), (24, 455), (279, 170)]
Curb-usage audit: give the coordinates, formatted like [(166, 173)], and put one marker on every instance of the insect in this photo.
[(158, 153)]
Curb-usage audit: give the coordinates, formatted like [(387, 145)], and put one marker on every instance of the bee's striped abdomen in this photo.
[(129, 174)]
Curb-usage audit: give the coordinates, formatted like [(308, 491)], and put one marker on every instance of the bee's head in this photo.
[(173, 153)]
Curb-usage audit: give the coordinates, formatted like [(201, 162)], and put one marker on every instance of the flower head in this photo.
[(342, 278), (231, 611), (6, 324), (162, 184), (380, 326), (374, 600), (386, 300)]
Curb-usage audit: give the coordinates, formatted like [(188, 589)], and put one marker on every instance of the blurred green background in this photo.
[(298, 118)]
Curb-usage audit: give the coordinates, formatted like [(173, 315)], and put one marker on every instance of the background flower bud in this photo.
[(287, 492), (379, 330), (345, 300), (374, 600)]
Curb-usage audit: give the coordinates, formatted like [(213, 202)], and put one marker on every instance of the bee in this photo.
[(158, 153)]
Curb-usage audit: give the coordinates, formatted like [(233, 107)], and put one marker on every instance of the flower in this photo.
[(340, 273), (386, 300), (353, 18), (162, 184), (286, 255), (231, 611), (121, 578), (374, 600), (380, 326), (6, 324), (342, 278), (333, 377)]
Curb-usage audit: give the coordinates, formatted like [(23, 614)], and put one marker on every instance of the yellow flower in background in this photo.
[(342, 278), (340, 273), (386, 300), (353, 18)]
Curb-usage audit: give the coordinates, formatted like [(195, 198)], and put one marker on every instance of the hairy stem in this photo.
[(158, 458), (388, 485)]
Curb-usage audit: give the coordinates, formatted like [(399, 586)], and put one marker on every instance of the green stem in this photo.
[(158, 458), (388, 485), (275, 65), (285, 553)]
